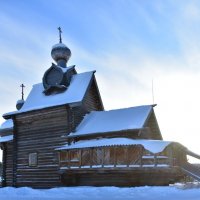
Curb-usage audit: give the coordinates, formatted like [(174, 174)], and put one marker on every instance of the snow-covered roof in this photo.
[(74, 94), (154, 146), (8, 124), (113, 120), (6, 138), (59, 45)]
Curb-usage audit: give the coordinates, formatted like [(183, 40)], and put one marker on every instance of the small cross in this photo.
[(60, 31), (22, 86)]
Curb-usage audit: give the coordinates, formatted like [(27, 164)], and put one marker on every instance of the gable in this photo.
[(152, 124), (92, 100)]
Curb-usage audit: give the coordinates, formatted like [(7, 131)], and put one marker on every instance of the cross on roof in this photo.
[(60, 31), (22, 86)]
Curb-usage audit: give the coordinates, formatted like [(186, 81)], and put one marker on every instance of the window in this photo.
[(32, 159)]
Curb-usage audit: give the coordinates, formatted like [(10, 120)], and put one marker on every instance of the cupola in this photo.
[(57, 78)]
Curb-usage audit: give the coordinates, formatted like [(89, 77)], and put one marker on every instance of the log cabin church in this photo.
[(62, 136)]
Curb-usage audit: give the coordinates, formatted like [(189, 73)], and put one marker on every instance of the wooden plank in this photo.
[(115, 156), (41, 131), (80, 158), (155, 160), (126, 156), (121, 177), (91, 157), (103, 157)]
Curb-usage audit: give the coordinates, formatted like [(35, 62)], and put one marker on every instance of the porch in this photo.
[(125, 163)]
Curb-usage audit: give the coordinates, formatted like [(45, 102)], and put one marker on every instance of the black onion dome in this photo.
[(19, 104), (60, 52)]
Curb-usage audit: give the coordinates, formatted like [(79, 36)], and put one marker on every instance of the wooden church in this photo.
[(62, 136)]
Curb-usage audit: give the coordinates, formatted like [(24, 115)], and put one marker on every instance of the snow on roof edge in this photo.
[(39, 108), (8, 124), (6, 138), (73, 103), (86, 134), (154, 146)]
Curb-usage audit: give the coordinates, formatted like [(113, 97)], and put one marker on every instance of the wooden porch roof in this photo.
[(154, 146)]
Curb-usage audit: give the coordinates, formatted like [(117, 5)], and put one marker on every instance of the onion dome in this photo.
[(61, 54), (19, 104)]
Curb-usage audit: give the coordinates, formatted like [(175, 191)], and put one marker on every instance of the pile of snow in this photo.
[(100, 193)]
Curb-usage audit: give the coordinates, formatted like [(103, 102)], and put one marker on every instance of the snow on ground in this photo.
[(104, 193)]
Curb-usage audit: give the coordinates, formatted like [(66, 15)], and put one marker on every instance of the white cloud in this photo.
[(125, 71)]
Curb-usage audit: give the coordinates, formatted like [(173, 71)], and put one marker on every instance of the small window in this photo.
[(32, 159)]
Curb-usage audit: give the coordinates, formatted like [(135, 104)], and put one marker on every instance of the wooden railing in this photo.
[(112, 157)]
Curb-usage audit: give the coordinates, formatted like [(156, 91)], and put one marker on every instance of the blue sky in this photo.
[(128, 42)]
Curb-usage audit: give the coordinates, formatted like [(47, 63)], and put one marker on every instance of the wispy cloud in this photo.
[(129, 43)]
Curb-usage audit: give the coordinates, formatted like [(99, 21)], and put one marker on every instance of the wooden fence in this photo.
[(113, 157)]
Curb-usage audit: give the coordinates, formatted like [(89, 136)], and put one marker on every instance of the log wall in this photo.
[(8, 160), (153, 125), (122, 177), (41, 132), (92, 100)]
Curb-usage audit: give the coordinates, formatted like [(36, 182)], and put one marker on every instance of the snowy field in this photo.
[(178, 192)]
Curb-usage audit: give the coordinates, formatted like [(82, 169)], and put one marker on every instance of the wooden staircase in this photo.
[(191, 169)]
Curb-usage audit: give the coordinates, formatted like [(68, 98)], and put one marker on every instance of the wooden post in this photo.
[(115, 157), (103, 155), (80, 158), (91, 157), (126, 156), (155, 160), (171, 159), (141, 159), (69, 159), (59, 158)]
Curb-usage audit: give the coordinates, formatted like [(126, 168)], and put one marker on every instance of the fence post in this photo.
[(141, 162), (80, 158), (115, 158), (91, 157), (155, 160)]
